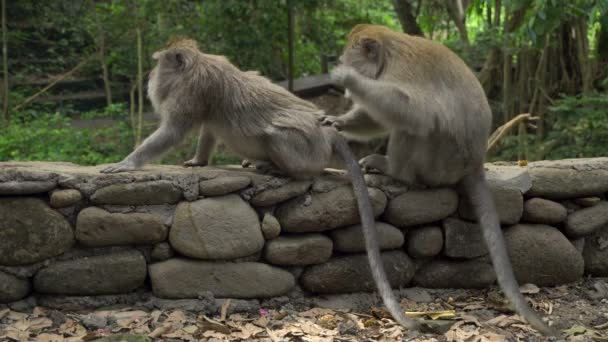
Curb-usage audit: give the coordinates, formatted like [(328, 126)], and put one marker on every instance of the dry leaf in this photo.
[(529, 289), (316, 312), (4, 312), (160, 331), (261, 322), (190, 329), (209, 324), (39, 311), (16, 316), (224, 310), (504, 321), (248, 331), (40, 323), (328, 321), (49, 338), (432, 314), (176, 316)]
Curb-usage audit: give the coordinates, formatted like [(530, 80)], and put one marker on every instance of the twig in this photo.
[(55, 81), (501, 131)]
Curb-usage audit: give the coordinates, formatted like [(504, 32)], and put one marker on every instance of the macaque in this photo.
[(437, 117), (254, 118)]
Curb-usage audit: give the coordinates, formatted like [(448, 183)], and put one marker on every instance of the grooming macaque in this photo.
[(438, 120)]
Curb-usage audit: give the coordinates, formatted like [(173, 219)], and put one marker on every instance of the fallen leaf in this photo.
[(224, 310), (601, 326), (160, 331), (248, 331), (49, 338), (40, 323), (4, 312), (504, 321), (279, 315), (190, 329), (176, 316), (529, 289), (39, 311), (432, 314), (16, 316), (576, 330), (208, 324), (261, 322), (328, 321), (315, 312)]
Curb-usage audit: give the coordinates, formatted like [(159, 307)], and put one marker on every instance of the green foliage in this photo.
[(578, 129), (115, 110), (52, 138)]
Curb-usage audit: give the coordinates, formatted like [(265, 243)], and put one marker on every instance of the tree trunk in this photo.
[(507, 84), (487, 76), (104, 66), (497, 10), (489, 15), (582, 51), (404, 11), (456, 12), (140, 95), (5, 113)]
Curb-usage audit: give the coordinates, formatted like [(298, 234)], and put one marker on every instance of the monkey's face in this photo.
[(364, 54)]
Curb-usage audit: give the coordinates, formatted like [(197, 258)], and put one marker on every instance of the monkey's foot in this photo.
[(330, 120), (123, 166), (194, 162), (374, 163)]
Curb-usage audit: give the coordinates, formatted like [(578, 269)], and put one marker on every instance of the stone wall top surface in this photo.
[(552, 179)]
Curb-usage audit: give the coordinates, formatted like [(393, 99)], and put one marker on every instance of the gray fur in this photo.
[(438, 120)]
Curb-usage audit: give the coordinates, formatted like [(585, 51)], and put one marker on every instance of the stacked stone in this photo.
[(70, 231)]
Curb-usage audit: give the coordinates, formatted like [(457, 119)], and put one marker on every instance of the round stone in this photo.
[(224, 227), (30, 231)]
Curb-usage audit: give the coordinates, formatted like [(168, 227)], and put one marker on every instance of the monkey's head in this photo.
[(179, 54), (367, 48)]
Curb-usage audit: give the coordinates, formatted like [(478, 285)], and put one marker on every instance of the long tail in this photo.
[(366, 213), (483, 203)]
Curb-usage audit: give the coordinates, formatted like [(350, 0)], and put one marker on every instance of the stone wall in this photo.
[(70, 235)]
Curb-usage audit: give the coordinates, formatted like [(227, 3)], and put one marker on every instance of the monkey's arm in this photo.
[(355, 124), (204, 148), (168, 134), (387, 103)]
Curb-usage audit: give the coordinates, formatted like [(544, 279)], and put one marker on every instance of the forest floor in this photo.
[(579, 311)]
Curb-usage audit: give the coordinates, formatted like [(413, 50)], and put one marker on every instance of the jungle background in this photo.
[(74, 71)]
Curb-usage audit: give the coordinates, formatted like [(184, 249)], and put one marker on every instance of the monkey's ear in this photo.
[(371, 48), (179, 60), (174, 59)]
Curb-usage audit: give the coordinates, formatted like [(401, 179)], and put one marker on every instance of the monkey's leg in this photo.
[(168, 134), (204, 149)]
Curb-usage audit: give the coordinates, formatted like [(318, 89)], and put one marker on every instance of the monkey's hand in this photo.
[(375, 163), (342, 75), (123, 166), (195, 162), (333, 121)]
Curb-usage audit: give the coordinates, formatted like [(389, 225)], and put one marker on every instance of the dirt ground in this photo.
[(579, 311)]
